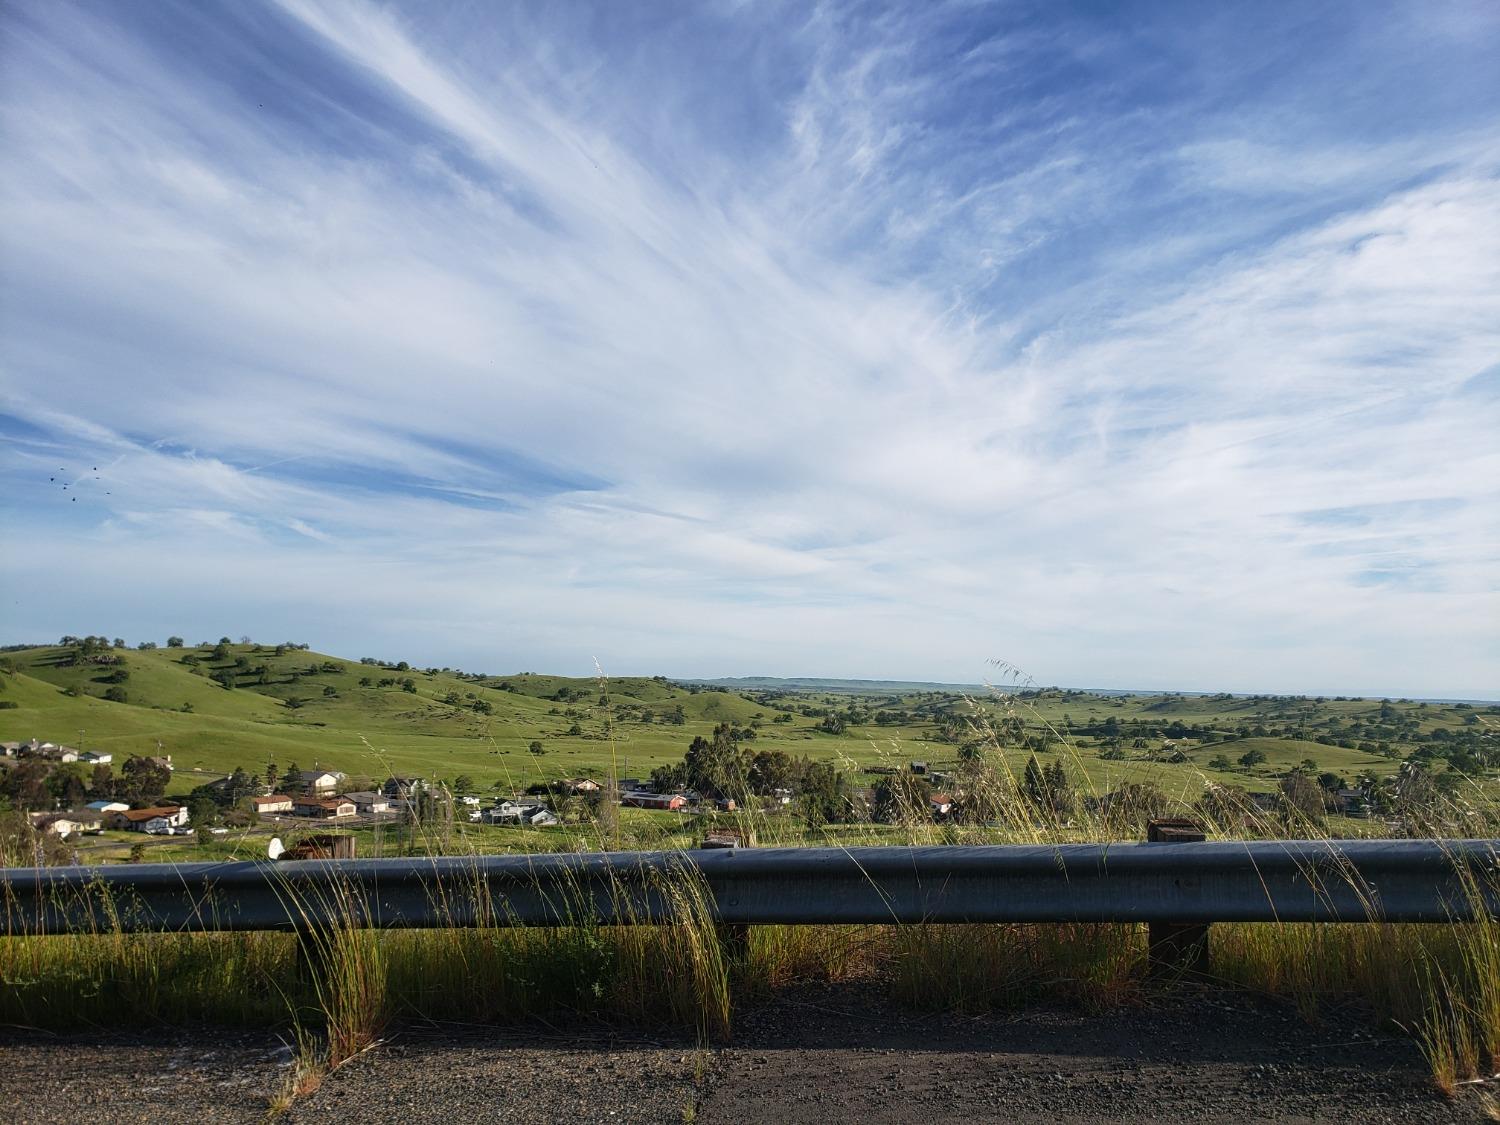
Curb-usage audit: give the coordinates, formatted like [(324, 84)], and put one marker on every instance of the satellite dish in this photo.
[(276, 848)]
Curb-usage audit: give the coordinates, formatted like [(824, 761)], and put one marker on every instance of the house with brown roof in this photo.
[(323, 808), (140, 820), (642, 800), (275, 803)]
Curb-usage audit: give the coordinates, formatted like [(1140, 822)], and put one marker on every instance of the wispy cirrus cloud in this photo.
[(845, 341)]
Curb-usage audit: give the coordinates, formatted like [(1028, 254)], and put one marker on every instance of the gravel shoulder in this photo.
[(825, 1054), (210, 1075)]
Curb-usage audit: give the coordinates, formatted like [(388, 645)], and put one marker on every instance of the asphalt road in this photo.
[(824, 1055)]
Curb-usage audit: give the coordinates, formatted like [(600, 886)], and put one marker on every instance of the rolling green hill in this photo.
[(213, 708)]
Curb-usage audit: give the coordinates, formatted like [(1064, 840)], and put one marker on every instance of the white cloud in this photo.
[(667, 404)]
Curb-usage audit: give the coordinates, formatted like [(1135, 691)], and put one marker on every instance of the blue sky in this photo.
[(1145, 345)]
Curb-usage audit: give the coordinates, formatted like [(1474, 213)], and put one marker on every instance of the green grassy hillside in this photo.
[(213, 709)]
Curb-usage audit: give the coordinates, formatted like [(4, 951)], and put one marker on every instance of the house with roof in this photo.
[(403, 788), (369, 803), (95, 758), (274, 803), (73, 823), (322, 783), (47, 751), (105, 807), (154, 819), (638, 799), (532, 813), (323, 808), (941, 803)]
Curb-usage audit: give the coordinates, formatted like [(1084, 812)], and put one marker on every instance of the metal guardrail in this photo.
[(1258, 881)]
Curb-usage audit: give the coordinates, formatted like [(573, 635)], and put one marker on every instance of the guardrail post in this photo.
[(1176, 948), (734, 937), (313, 947)]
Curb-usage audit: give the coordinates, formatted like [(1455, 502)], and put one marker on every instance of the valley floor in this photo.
[(824, 1054)]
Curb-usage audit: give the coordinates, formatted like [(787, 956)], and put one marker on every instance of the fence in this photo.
[(1201, 883)]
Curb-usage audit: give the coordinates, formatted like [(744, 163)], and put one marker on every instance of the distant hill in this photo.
[(834, 687), (216, 707)]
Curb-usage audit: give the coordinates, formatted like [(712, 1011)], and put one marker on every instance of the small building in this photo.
[(138, 820), (583, 785), (105, 807), (323, 808), (403, 788), (369, 803), (95, 758), (919, 767), (532, 813), (10, 749), (46, 751), (1352, 802), (941, 803), (639, 799), (321, 783), (275, 803), (72, 823), (162, 762)]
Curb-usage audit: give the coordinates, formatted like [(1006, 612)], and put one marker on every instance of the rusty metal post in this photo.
[(1176, 949)]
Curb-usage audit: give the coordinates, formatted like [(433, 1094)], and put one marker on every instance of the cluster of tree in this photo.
[(37, 785), (721, 766), (1048, 788)]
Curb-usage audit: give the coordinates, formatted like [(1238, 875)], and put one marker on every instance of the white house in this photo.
[(274, 803), (323, 783), (68, 823), (137, 820), (517, 812), (93, 757), (50, 751), (369, 804), (103, 808)]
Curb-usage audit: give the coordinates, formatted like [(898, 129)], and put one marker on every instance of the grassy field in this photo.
[(1439, 983), (304, 707)]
